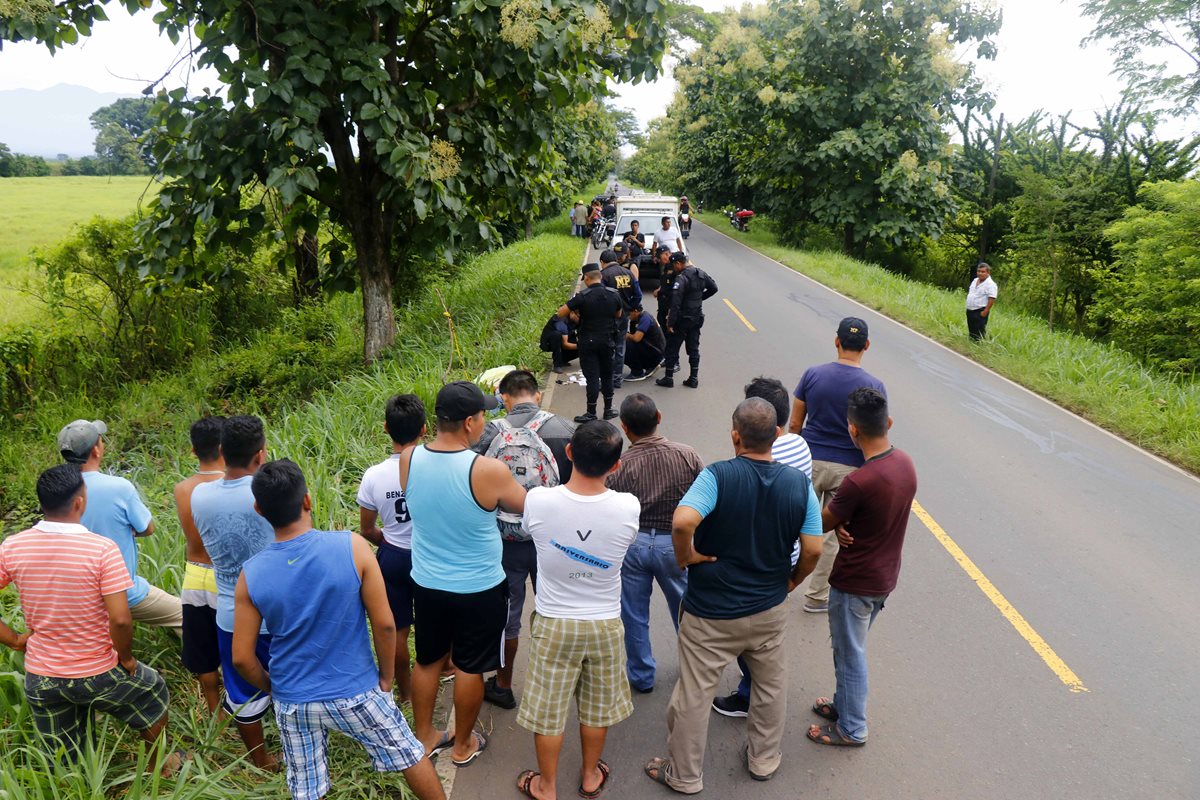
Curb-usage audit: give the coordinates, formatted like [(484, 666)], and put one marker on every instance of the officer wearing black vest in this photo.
[(659, 275), (616, 276), (685, 317), (598, 308)]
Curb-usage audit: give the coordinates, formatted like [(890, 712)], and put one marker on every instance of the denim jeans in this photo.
[(850, 617), (651, 557)]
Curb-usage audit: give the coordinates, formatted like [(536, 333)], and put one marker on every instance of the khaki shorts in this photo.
[(580, 657)]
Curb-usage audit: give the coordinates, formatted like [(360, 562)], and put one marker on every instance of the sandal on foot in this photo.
[(444, 743), (604, 770), (175, 760), (823, 707), (525, 781), (482, 743), (829, 734)]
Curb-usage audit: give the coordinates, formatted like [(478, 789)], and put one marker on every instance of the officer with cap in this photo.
[(616, 276), (685, 316), (657, 278), (599, 307)]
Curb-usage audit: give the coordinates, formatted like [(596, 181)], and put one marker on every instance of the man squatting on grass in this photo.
[(385, 522), (582, 530), (115, 511), (79, 646), (323, 675)]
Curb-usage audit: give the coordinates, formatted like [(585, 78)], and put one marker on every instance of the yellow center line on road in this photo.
[(740, 316), (1056, 664)]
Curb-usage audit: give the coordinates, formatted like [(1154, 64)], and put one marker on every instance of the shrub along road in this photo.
[(1059, 662)]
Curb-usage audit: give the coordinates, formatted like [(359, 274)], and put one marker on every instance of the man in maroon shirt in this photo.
[(870, 513)]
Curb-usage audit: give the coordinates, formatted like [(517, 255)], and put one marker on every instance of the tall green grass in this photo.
[(1100, 382), (497, 304)]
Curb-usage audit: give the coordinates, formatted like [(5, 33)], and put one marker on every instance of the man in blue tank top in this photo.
[(323, 675), (460, 593)]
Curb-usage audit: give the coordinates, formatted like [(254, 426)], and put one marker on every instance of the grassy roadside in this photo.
[(1097, 381), (497, 305)]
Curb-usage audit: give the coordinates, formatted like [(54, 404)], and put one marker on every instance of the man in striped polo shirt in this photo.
[(79, 648)]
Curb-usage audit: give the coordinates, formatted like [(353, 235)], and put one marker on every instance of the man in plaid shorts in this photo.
[(323, 674), (78, 648), (582, 530)]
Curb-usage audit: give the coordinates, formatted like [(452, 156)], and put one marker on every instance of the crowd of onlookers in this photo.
[(464, 522)]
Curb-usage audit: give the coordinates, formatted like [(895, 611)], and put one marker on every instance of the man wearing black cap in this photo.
[(819, 415), (460, 593), (691, 287), (598, 307), (615, 276)]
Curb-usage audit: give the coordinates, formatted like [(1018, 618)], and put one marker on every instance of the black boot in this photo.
[(666, 381), (693, 381), (588, 416)]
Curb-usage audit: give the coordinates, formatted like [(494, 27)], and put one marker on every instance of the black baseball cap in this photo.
[(852, 332), (678, 257), (608, 257), (591, 266), (619, 247), (462, 399)]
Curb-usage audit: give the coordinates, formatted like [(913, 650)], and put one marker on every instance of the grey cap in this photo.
[(76, 440)]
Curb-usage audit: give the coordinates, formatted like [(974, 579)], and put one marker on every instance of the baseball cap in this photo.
[(76, 440), (852, 332), (591, 266), (608, 257), (678, 258), (619, 247), (462, 399)]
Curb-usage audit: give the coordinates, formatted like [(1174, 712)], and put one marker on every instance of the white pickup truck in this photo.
[(648, 210)]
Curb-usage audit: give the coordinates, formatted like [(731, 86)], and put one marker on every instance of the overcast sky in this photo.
[(1040, 66)]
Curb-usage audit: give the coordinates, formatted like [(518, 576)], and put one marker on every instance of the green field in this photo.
[(36, 212)]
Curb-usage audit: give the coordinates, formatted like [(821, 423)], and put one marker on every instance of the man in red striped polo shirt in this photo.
[(78, 648)]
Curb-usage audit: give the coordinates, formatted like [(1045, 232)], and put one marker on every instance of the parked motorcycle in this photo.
[(740, 218), (602, 232)]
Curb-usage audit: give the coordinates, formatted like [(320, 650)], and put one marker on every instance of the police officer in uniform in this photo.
[(662, 279), (685, 317), (598, 307), (616, 276)]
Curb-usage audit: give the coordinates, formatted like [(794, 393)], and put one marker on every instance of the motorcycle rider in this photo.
[(691, 287), (685, 216)]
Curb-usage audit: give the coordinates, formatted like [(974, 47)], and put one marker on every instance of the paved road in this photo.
[(1095, 543)]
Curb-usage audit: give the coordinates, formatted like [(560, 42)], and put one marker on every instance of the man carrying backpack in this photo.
[(533, 444)]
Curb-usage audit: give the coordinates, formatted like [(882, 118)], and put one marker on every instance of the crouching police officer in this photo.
[(685, 316)]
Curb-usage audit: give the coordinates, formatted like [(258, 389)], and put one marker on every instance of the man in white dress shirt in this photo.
[(981, 296)]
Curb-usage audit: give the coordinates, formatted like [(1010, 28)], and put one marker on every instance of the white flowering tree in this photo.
[(414, 125), (830, 111)]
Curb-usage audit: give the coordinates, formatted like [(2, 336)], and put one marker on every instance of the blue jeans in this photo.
[(651, 557), (850, 617)]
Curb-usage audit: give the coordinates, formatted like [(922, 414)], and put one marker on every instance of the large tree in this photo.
[(121, 130), (830, 111), (416, 125)]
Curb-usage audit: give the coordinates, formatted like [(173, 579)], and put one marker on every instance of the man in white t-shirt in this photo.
[(981, 296), (385, 522), (582, 530), (668, 238)]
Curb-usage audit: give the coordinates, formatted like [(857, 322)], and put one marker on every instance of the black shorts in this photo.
[(470, 627), (396, 565)]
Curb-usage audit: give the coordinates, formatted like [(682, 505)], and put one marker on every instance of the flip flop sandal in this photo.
[(659, 764), (825, 710), (445, 743), (525, 780), (183, 757), (604, 770), (469, 760), (830, 735)]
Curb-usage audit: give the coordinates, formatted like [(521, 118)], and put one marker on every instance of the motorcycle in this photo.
[(740, 218), (685, 225), (603, 230)]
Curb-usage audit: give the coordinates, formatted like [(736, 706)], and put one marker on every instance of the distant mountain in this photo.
[(46, 122)]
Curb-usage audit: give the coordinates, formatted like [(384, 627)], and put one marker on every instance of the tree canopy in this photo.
[(121, 130), (417, 127)]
